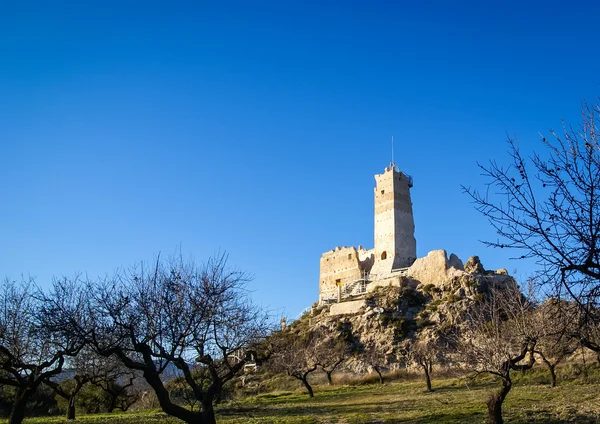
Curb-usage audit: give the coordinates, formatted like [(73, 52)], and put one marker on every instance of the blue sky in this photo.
[(256, 127)]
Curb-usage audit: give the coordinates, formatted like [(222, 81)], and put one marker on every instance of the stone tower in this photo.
[(395, 244)]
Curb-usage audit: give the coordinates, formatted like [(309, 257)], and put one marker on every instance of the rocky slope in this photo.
[(391, 318)]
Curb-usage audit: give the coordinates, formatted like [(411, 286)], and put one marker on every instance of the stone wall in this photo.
[(435, 268), (343, 265), (351, 307)]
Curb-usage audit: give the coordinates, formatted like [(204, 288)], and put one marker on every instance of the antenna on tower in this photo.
[(393, 164)]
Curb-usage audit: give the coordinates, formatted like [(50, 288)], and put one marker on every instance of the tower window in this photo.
[(384, 256), (349, 255), (382, 191)]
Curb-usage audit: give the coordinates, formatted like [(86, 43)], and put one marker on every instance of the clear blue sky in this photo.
[(129, 129)]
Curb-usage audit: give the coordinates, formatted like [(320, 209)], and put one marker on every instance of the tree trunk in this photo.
[(494, 403), (18, 410), (585, 369), (207, 414), (427, 378), (552, 370), (308, 387), (113, 402), (329, 379), (378, 371), (71, 407)]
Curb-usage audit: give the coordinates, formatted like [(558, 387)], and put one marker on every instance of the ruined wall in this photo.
[(435, 268), (343, 264)]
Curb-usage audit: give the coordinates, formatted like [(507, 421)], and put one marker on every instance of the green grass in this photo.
[(399, 402)]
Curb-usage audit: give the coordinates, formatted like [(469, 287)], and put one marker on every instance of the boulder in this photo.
[(474, 266)]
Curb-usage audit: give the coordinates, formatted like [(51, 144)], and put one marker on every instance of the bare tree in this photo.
[(174, 315), (554, 322), (31, 352), (373, 354), (331, 351), (495, 339), (424, 354), (294, 355), (548, 208), (106, 373), (69, 389), (116, 381)]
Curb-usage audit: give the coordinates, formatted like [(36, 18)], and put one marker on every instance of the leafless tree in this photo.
[(294, 354), (31, 352), (69, 389), (548, 207), (555, 323), (331, 351), (174, 314), (497, 338), (116, 381), (424, 354), (374, 355)]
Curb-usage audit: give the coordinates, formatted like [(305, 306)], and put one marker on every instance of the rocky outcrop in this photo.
[(428, 301), (474, 266)]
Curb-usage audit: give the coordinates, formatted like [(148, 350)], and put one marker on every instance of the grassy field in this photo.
[(398, 402)]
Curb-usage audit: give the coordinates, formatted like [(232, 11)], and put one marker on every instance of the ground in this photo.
[(453, 401)]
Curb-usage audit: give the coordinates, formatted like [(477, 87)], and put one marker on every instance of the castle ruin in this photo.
[(346, 270)]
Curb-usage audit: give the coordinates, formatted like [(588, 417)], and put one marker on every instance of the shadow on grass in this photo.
[(394, 412), (411, 411)]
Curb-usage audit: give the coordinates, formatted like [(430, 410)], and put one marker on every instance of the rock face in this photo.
[(474, 266)]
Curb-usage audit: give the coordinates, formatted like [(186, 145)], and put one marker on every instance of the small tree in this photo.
[(85, 369), (555, 340), (68, 390), (116, 381), (374, 356), (31, 351), (173, 314), (495, 339), (294, 355), (331, 351), (424, 354)]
